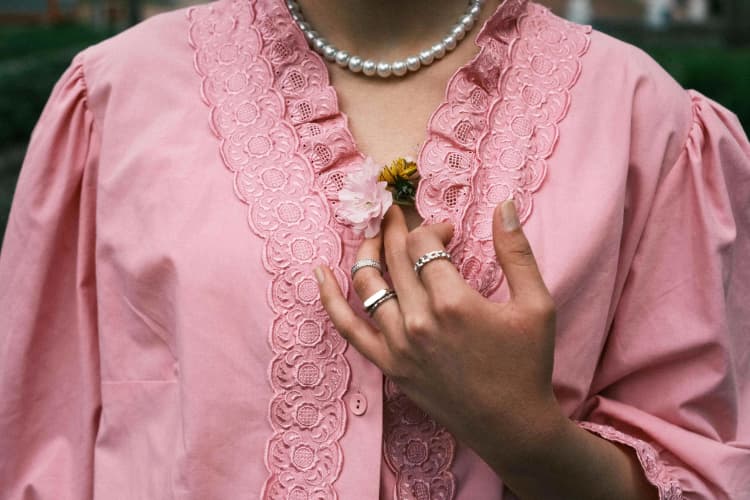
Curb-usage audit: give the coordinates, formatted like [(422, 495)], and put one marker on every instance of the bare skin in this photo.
[(389, 119), (492, 384)]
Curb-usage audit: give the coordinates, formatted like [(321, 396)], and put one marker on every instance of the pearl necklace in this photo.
[(384, 69)]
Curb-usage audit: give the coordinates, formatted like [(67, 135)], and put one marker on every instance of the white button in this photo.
[(358, 404)]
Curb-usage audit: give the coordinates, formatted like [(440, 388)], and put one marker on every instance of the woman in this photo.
[(165, 338)]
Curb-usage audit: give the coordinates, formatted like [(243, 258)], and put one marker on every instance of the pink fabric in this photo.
[(143, 297)]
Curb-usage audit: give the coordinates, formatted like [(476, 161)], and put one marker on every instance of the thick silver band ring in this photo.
[(366, 263), (375, 300), (429, 257)]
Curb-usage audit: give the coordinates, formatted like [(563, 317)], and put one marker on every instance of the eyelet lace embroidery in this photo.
[(281, 134), (497, 130), (488, 141), (655, 470), (265, 93), (418, 450)]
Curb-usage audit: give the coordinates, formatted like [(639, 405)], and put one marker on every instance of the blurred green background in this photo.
[(35, 48)]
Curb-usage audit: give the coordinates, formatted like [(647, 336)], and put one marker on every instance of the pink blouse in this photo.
[(162, 336)]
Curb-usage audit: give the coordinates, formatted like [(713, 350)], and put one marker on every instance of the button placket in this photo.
[(358, 404)]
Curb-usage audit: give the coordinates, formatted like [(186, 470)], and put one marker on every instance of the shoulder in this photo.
[(149, 39), (619, 89), (142, 62), (604, 87), (643, 99), (157, 44), (613, 61), (624, 79), (610, 73)]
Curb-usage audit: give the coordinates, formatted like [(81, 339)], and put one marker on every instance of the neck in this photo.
[(386, 28)]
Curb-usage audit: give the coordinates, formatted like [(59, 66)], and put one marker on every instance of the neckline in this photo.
[(487, 142), (507, 11)]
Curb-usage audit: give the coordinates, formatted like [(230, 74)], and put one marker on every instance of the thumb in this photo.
[(514, 254)]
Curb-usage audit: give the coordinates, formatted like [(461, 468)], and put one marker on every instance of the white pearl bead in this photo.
[(319, 43), (467, 22), (450, 42), (438, 50), (426, 57), (329, 52), (458, 31), (292, 5), (369, 67), (413, 63), (342, 58), (384, 69), (355, 64), (399, 68)]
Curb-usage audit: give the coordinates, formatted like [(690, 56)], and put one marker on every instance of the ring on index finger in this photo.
[(429, 257)]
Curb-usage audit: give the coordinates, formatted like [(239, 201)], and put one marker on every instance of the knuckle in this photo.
[(543, 308), (449, 306), (522, 254), (417, 325)]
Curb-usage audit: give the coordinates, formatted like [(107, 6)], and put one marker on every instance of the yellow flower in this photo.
[(402, 177), (399, 169)]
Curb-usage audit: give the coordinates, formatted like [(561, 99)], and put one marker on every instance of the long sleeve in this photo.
[(49, 363), (674, 379)]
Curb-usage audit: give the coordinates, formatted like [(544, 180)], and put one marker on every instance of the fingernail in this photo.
[(319, 276), (510, 217)]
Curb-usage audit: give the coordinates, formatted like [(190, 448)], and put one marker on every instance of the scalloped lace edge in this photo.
[(656, 471)]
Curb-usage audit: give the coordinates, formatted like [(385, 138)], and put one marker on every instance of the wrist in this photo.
[(546, 430), (526, 439)]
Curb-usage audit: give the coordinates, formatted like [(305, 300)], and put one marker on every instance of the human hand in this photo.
[(482, 369)]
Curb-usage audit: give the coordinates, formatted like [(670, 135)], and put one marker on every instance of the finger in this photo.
[(440, 277), (354, 329), (412, 295), (515, 256), (368, 280)]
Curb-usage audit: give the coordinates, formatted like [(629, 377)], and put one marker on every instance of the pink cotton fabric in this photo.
[(137, 306)]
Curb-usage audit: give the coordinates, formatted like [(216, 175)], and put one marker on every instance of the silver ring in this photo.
[(429, 257), (366, 263), (390, 294), (376, 299)]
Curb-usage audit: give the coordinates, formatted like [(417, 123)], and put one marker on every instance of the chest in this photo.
[(389, 118)]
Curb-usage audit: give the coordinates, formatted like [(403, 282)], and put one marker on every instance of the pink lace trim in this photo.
[(281, 133), (655, 470), (258, 78), (419, 451), (492, 138)]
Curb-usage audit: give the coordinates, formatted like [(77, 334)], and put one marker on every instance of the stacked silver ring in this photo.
[(366, 263), (369, 67), (429, 257), (377, 299)]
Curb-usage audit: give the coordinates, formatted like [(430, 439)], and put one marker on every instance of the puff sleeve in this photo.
[(49, 368), (674, 379)]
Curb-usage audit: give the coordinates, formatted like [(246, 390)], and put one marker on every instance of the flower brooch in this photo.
[(370, 191)]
